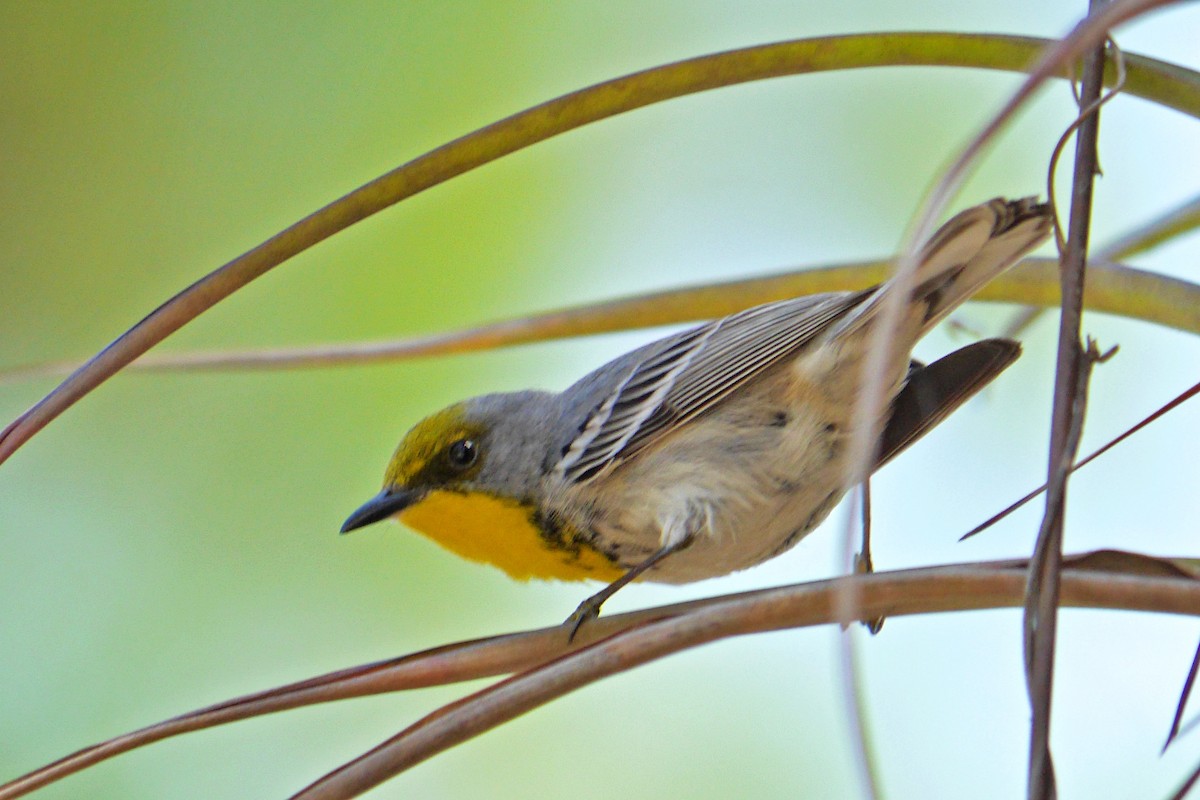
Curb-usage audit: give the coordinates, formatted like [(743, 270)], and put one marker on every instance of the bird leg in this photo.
[(590, 609)]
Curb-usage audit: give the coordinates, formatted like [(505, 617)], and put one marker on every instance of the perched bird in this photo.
[(710, 450)]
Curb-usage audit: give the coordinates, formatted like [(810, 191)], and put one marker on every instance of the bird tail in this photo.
[(974, 247)]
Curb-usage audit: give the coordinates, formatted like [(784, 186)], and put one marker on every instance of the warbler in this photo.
[(710, 450)]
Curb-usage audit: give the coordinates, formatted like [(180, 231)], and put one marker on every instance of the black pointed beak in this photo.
[(381, 506)]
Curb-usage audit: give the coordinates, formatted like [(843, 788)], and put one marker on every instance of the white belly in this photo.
[(745, 482)]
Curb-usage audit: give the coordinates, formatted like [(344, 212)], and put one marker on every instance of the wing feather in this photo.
[(642, 389), (650, 392), (678, 378)]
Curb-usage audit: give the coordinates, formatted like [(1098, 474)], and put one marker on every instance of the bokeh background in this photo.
[(171, 541)]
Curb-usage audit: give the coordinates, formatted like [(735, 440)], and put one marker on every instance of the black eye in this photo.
[(462, 453)]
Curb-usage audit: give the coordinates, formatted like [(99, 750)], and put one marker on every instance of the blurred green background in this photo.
[(171, 541)]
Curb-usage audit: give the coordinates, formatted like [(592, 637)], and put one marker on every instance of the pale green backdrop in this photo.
[(171, 541)]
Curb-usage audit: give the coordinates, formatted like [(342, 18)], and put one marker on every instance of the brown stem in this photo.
[(1041, 610)]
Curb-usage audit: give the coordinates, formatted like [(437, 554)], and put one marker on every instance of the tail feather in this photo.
[(974, 247), (933, 392)]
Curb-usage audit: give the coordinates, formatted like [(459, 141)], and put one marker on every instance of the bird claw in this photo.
[(588, 610)]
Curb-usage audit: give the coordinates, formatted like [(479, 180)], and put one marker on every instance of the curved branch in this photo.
[(899, 594), (1169, 85), (1105, 579), (1112, 289)]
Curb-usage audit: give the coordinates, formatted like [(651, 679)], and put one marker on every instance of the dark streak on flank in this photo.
[(790, 540), (565, 539), (821, 511), (553, 528), (784, 485)]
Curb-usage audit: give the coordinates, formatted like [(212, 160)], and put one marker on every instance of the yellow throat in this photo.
[(504, 533)]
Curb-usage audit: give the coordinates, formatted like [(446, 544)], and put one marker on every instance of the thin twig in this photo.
[(1187, 785), (869, 401), (1188, 684), (1089, 112), (1174, 222), (1175, 402), (850, 667), (1041, 610), (1030, 314)]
